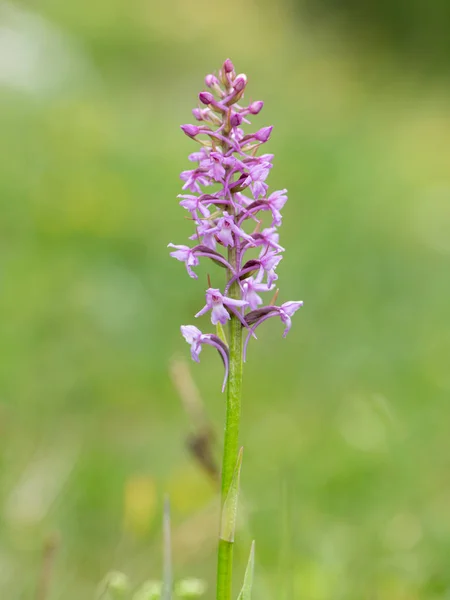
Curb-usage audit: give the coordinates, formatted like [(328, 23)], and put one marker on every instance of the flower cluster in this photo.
[(225, 195)]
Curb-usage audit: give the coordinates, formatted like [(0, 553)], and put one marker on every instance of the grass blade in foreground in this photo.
[(246, 592), (167, 586)]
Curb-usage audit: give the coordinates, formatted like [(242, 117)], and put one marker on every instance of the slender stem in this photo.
[(231, 440), (233, 411)]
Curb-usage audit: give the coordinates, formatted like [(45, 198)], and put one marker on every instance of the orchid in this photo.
[(228, 202), (186, 255), (196, 339), (216, 302), (250, 289)]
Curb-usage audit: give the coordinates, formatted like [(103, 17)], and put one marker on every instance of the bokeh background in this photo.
[(346, 478)]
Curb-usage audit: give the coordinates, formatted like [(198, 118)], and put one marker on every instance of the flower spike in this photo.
[(233, 213), (226, 190)]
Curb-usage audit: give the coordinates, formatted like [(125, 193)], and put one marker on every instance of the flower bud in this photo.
[(197, 112), (190, 130), (211, 80), (240, 82), (263, 134), (236, 119), (255, 107), (206, 98), (228, 66)]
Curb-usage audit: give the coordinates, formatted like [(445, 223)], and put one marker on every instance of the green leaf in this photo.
[(230, 507), (246, 592)]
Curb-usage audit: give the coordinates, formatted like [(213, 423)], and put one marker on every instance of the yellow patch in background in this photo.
[(140, 503), (189, 489)]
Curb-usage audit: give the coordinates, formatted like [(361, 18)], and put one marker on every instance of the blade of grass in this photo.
[(246, 592), (166, 593)]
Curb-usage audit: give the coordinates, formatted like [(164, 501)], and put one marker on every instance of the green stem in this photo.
[(231, 440)]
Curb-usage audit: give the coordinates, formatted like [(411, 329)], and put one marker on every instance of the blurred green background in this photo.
[(346, 478)]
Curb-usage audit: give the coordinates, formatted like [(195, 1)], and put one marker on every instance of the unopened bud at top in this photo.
[(255, 107), (263, 134), (190, 130), (206, 97), (240, 82), (228, 66)]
